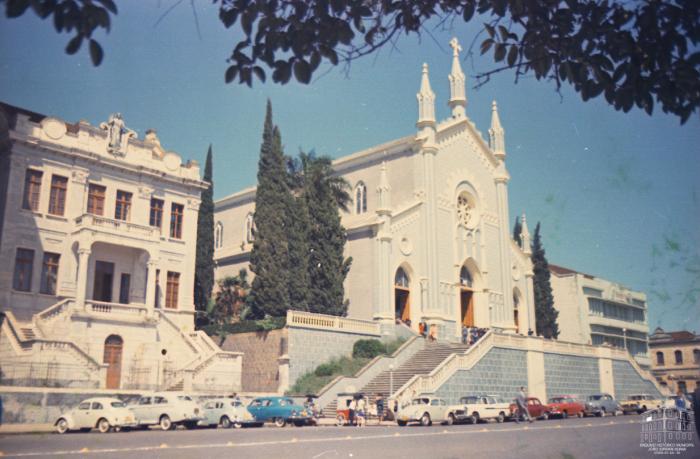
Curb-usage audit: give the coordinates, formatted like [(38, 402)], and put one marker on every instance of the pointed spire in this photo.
[(497, 134), (525, 236), (426, 101), (458, 97), (384, 190)]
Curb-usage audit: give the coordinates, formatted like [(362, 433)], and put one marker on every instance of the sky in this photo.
[(616, 194)]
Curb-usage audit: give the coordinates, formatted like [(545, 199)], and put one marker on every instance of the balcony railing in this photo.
[(326, 322), (118, 227)]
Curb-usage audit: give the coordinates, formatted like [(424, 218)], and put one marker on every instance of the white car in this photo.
[(227, 412), (424, 410), (474, 408), (102, 413), (167, 410)]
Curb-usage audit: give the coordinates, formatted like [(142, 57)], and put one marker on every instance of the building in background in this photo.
[(597, 311), (97, 260), (675, 359)]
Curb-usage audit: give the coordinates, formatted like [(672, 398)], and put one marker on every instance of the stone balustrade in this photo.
[(116, 227), (334, 323)]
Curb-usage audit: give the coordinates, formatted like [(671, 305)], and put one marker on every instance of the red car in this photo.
[(564, 406), (534, 407)]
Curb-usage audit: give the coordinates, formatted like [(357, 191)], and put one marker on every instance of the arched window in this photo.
[(660, 358), (516, 303), (679, 357), (249, 228), (401, 278), (360, 198), (218, 235), (696, 355), (465, 278)]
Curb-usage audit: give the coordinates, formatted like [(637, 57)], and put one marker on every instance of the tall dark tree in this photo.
[(298, 235), (545, 314), (269, 259), (517, 229), (325, 194), (204, 263)]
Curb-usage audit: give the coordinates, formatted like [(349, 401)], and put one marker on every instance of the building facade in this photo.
[(599, 312), (675, 359), (429, 226), (97, 258)]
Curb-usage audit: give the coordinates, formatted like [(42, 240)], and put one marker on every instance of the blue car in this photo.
[(279, 410)]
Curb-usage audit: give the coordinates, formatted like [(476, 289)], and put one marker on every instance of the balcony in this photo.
[(118, 228)]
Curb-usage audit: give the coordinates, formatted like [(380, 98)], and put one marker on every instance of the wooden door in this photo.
[(113, 358), (402, 304), (467, 303)]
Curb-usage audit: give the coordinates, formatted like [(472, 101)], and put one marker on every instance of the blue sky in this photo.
[(617, 194)]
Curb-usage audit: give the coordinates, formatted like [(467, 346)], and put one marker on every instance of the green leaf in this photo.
[(74, 44), (504, 32), (486, 45), (96, 53), (16, 8), (512, 55), (468, 12), (231, 73), (302, 71), (500, 52), (109, 4), (259, 72), (490, 30)]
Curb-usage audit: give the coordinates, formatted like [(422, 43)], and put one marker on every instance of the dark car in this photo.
[(601, 405), (279, 410), (536, 409)]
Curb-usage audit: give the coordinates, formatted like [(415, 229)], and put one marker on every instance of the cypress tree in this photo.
[(545, 314), (204, 262), (269, 258), (325, 193), (298, 236), (517, 229)]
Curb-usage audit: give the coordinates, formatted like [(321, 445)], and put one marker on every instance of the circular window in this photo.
[(467, 215)]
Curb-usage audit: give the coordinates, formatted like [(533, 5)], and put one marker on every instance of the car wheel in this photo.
[(474, 418), (340, 420), (501, 417), (280, 422), (401, 423), (425, 420), (62, 426), (545, 416), (103, 425), (165, 423), (564, 415), (225, 422), (451, 419)]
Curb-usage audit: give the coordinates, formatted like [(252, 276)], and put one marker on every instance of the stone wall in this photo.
[(628, 381), (500, 372), (570, 374), (261, 351)]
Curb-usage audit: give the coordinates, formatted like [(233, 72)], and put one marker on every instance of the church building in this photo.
[(428, 230)]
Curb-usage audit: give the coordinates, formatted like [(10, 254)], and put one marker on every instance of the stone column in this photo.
[(504, 316), (605, 368), (283, 369), (151, 286), (536, 383), (81, 282)]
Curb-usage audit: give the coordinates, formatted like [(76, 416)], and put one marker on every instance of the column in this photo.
[(151, 286), (81, 282)]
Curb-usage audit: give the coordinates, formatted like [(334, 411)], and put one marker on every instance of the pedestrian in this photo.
[(352, 406), (380, 408), (361, 412), (465, 334), (433, 332), (421, 329), (1, 408), (521, 402)]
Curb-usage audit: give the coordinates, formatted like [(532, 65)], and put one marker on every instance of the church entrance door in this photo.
[(467, 303), (402, 303)]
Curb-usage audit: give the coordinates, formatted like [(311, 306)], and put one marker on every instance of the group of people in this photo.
[(360, 409), (471, 335), (427, 331)]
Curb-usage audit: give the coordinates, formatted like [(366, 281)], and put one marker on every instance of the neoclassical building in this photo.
[(429, 226), (97, 260)]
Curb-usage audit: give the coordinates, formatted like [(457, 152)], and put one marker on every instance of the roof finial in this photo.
[(458, 97), (426, 101), (497, 134)]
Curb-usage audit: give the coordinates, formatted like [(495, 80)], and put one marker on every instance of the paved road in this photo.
[(572, 438)]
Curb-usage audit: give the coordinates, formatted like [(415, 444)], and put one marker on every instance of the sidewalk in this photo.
[(25, 428)]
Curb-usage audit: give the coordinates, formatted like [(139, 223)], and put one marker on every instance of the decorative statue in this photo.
[(117, 133)]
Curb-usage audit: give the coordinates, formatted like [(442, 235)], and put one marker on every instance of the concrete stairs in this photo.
[(422, 363)]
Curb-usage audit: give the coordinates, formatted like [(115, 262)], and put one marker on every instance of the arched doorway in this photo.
[(466, 297), (402, 303), (113, 358)]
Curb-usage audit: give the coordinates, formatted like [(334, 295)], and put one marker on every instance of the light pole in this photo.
[(391, 380)]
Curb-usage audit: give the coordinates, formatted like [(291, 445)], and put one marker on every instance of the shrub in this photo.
[(328, 369), (368, 348)]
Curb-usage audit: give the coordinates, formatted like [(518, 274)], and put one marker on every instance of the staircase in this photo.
[(423, 362)]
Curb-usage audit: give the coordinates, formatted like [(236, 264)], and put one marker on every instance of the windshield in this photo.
[(556, 400), (595, 397), (420, 401), (467, 400), (184, 397), (118, 404)]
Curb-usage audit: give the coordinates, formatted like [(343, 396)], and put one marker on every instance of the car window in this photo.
[(145, 401), (434, 402), (468, 400), (556, 400), (96, 405), (594, 397), (284, 402), (210, 406), (443, 403), (289, 401), (84, 406), (420, 401), (255, 403), (160, 400), (185, 398), (491, 400), (236, 403), (118, 404), (267, 402)]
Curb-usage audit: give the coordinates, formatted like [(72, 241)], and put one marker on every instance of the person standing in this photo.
[(465, 334), (380, 408), (352, 406), (521, 402), (361, 412)]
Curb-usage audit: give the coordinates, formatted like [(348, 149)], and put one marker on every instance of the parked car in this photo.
[(424, 410), (227, 412), (639, 403), (474, 408), (103, 413), (564, 406), (536, 409), (601, 405), (279, 410), (167, 410)]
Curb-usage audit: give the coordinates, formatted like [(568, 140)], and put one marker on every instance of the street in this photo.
[(571, 438)]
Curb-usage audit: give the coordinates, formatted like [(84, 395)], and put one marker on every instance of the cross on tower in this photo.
[(455, 46)]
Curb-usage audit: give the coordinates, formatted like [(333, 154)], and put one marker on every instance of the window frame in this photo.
[(678, 356), (31, 197), (49, 266), (360, 198), (172, 289), (177, 219), (28, 265), (155, 214), (58, 195), (97, 195), (122, 205)]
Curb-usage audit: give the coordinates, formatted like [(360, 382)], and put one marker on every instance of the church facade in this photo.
[(428, 230)]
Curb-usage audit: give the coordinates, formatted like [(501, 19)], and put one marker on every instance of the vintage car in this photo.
[(601, 405), (564, 406), (167, 410), (103, 413), (279, 410), (639, 403), (424, 410), (227, 412), (474, 408), (536, 409)]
